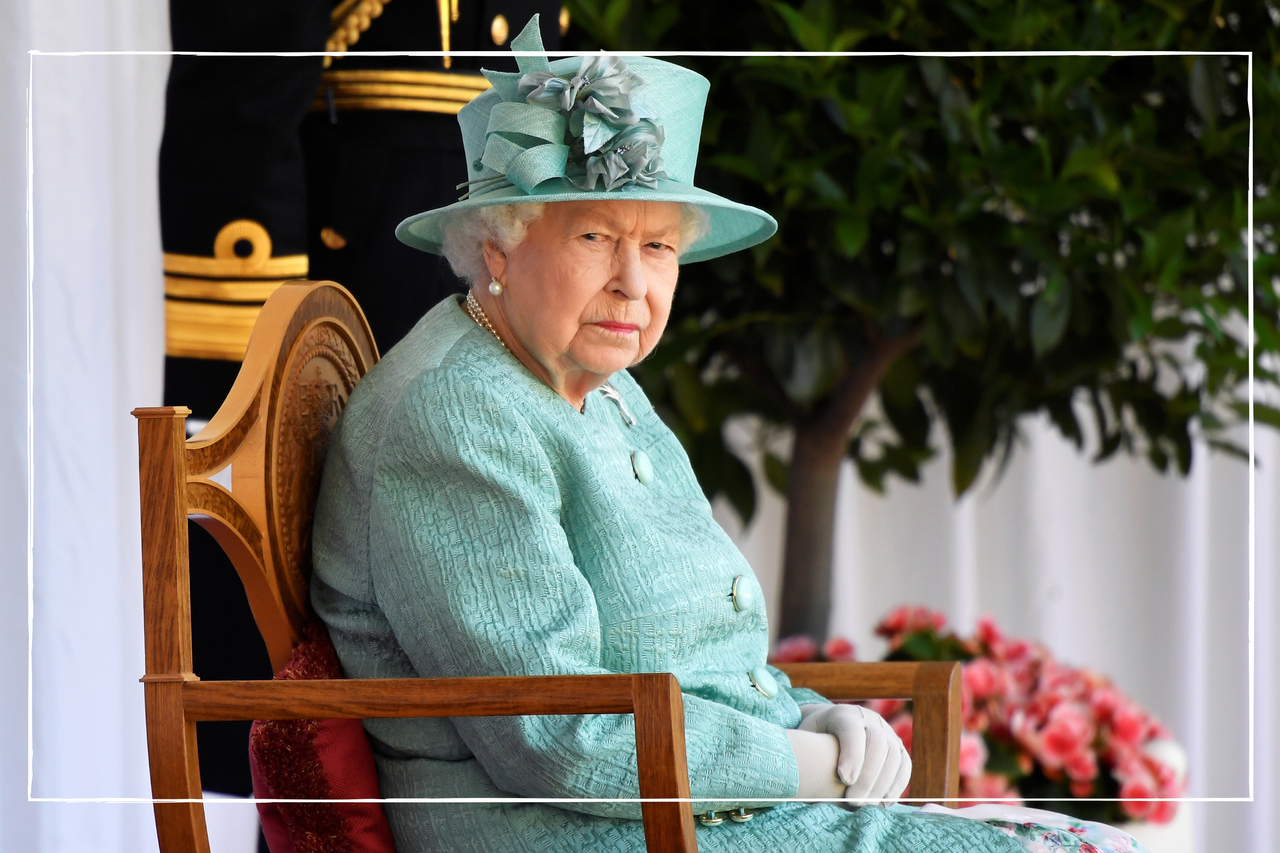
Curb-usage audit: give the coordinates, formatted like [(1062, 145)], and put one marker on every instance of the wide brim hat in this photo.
[(632, 133)]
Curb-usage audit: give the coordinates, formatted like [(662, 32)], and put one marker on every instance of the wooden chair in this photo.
[(250, 477)]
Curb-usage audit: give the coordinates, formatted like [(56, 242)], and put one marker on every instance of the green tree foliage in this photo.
[(978, 238)]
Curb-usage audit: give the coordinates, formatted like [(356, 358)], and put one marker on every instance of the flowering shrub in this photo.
[(1034, 728), (802, 649)]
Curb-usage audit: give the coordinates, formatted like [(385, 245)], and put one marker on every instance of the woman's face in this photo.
[(589, 290)]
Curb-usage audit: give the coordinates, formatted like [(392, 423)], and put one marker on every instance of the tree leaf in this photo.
[(688, 395), (826, 186), (776, 472), (614, 13), (802, 29), (1207, 88), (1229, 448), (934, 73), (852, 232), (911, 252), (1089, 160), (912, 302), (1063, 415), (1049, 315), (1262, 413), (737, 486)]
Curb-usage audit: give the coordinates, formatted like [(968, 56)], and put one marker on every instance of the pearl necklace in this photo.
[(482, 320), (607, 390)]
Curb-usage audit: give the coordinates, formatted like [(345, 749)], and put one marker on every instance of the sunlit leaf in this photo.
[(775, 472)]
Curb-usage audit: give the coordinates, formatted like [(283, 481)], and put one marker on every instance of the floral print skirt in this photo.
[(1040, 831)]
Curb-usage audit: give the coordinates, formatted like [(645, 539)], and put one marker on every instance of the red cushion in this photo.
[(317, 760)]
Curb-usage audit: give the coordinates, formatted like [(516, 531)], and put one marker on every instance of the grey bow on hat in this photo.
[(589, 124)]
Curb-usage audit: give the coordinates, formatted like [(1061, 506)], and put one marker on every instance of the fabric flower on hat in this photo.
[(603, 86), (631, 158), (614, 136)]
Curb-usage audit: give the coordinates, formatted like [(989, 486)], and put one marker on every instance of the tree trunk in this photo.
[(821, 439), (811, 515)]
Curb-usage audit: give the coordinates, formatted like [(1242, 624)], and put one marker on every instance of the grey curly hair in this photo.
[(505, 225)]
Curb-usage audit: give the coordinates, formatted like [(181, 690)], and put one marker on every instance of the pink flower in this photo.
[(1135, 793), (906, 620), (991, 788), (1080, 790), (886, 708), (1128, 724), (903, 728), (973, 754), (989, 634), (795, 649), (978, 721), (1163, 812), (1082, 766), (1016, 650), (983, 678), (1166, 776), (894, 623), (1126, 760), (1104, 702), (838, 648), (1023, 728), (1066, 732)]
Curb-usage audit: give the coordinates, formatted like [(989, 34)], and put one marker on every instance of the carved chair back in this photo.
[(253, 472), (250, 478)]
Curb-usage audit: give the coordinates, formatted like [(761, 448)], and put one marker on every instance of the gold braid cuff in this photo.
[(415, 91), (211, 303)]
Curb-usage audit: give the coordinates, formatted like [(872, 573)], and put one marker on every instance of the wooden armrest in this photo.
[(934, 691), (321, 699), (654, 699)]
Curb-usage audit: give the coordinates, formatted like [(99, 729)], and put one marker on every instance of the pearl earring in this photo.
[(495, 287)]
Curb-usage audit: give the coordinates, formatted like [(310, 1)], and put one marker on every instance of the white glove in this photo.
[(872, 761), (816, 756)]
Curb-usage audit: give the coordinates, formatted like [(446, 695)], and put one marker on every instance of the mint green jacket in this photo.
[(472, 522)]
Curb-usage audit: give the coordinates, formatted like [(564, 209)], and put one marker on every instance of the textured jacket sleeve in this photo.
[(801, 695), (473, 570)]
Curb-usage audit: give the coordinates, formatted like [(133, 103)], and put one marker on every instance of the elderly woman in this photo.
[(501, 499)]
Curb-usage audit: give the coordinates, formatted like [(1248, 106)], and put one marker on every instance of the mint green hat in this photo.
[(590, 127)]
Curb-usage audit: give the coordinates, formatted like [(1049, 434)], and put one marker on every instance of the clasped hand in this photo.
[(869, 761)]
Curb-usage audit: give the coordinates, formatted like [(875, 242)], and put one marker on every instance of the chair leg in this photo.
[(179, 826), (166, 603)]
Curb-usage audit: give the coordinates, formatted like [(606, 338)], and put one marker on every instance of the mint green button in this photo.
[(764, 680), (743, 594), (643, 468)]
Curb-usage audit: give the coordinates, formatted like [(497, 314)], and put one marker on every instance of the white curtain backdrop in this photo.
[(1140, 576), (96, 352)]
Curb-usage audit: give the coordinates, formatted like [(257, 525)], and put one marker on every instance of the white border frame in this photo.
[(1249, 249)]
